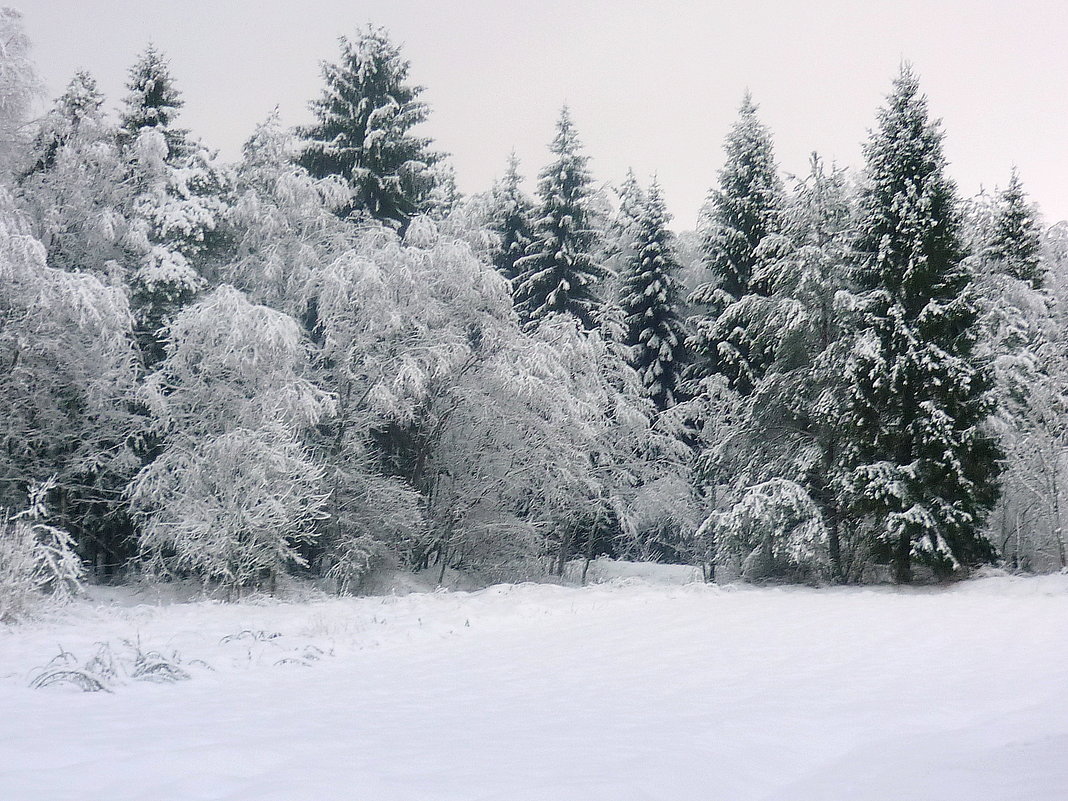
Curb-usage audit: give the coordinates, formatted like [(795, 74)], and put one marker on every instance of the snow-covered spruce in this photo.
[(362, 131), (923, 465), (744, 209), (559, 275), (649, 297)]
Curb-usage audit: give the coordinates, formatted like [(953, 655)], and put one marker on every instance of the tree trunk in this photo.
[(834, 546), (444, 562), (589, 548), (902, 559), (565, 548)]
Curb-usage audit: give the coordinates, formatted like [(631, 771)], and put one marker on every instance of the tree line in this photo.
[(323, 357)]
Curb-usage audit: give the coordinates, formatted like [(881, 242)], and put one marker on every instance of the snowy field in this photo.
[(633, 689)]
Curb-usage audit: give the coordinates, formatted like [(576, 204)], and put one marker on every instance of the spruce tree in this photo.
[(632, 200), (511, 221), (649, 297), (740, 214), (154, 102), (1016, 241), (745, 208), (923, 467), (178, 208), (362, 131), (81, 101), (560, 276)]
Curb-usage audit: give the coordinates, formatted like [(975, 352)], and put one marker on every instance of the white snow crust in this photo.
[(644, 687)]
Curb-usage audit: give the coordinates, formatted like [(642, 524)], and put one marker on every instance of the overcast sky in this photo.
[(652, 85)]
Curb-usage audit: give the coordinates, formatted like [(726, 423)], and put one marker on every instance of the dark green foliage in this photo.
[(745, 208), (362, 131), (79, 102), (924, 469), (560, 276), (512, 212), (649, 299), (154, 102), (740, 214), (1016, 241)]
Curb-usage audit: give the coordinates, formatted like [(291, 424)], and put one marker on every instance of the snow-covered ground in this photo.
[(634, 689)]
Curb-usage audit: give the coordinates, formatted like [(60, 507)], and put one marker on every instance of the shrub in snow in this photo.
[(659, 521), (67, 374), (233, 509), (233, 494), (774, 531), (109, 666), (378, 516), (37, 561)]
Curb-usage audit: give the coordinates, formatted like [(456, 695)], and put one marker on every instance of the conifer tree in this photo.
[(179, 199), (741, 213), (75, 190), (1016, 241), (745, 208), (362, 131), (649, 298), (618, 249), (924, 468), (560, 276), (154, 102), (512, 211), (80, 102)]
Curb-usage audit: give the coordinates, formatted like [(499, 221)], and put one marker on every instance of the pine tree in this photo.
[(649, 299), (75, 190), (560, 276), (363, 133), (789, 427), (741, 213), (80, 102), (511, 221), (745, 208), (176, 231), (154, 102), (924, 469), (1016, 242), (619, 247)]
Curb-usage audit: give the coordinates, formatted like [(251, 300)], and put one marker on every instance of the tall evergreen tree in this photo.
[(154, 102), (649, 298), (180, 196), (745, 208), (616, 250), (788, 429), (740, 214), (924, 468), (362, 131), (560, 275), (80, 102), (512, 211), (1016, 241), (619, 248)]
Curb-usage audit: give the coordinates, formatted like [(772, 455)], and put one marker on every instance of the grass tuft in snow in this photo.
[(108, 667)]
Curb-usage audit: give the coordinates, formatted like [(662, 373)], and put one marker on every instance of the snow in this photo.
[(644, 687)]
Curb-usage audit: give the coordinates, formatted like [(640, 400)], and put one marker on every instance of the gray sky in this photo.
[(653, 85)]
